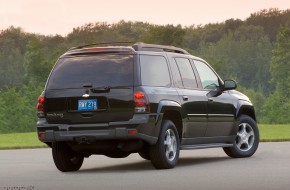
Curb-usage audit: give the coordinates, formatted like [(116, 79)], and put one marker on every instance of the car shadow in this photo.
[(200, 160), (145, 165)]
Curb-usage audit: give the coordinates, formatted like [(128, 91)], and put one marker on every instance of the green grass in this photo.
[(20, 140), (272, 133), (268, 133)]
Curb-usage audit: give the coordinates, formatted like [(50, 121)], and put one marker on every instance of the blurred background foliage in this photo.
[(255, 52)]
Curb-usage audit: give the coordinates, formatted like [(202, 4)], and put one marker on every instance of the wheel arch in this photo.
[(171, 110), (246, 108)]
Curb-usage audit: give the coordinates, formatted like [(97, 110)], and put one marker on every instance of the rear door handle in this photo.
[(185, 98), (210, 100)]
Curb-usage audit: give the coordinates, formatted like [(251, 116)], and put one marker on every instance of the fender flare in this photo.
[(245, 105), (164, 105)]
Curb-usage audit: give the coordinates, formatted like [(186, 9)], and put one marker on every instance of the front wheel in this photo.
[(165, 153), (65, 158), (247, 139)]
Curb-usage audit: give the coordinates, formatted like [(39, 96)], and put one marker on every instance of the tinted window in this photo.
[(177, 78), (99, 70), (186, 72), (154, 71), (208, 78)]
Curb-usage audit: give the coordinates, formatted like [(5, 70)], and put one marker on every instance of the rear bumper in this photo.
[(146, 127)]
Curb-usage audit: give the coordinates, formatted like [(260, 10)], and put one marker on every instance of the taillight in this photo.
[(41, 135), (40, 106), (41, 101), (141, 102)]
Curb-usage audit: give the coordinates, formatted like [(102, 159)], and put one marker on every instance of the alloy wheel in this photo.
[(170, 144), (245, 137)]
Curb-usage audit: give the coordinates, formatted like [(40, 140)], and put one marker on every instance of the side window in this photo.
[(176, 75), (186, 72), (208, 78), (154, 71)]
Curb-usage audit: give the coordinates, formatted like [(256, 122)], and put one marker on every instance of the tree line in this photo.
[(255, 52)]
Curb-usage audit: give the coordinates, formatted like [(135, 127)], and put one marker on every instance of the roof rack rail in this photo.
[(139, 46), (105, 43)]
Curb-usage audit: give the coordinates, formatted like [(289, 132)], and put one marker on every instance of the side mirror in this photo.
[(229, 85)]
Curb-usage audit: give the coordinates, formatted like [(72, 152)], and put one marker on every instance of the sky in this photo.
[(50, 17)]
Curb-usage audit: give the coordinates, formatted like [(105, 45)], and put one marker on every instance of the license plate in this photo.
[(87, 105)]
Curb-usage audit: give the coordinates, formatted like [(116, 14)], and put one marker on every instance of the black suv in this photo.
[(149, 99)]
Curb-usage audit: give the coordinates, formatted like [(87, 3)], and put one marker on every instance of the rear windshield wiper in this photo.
[(88, 85), (108, 88), (119, 87), (100, 89)]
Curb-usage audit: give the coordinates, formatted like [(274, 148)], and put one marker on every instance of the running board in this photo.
[(202, 146)]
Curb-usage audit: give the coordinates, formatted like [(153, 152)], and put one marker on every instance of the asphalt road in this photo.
[(268, 169)]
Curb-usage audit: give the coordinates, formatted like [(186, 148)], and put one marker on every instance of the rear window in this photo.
[(99, 70)]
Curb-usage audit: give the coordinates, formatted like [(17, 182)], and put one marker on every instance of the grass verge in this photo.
[(268, 133), (20, 140), (274, 133)]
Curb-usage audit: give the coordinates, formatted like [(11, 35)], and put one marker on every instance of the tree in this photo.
[(42, 53), (18, 108), (165, 35), (271, 20), (277, 106), (280, 65), (12, 49), (243, 54), (276, 109)]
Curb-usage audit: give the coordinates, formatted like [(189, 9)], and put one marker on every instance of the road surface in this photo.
[(268, 169)]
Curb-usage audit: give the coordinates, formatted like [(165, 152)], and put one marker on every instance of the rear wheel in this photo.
[(65, 158), (165, 153), (247, 139)]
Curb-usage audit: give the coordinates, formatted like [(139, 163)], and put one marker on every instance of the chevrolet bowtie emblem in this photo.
[(85, 95)]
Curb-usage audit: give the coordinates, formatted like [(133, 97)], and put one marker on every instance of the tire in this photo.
[(145, 153), (165, 153), (65, 159), (247, 140)]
